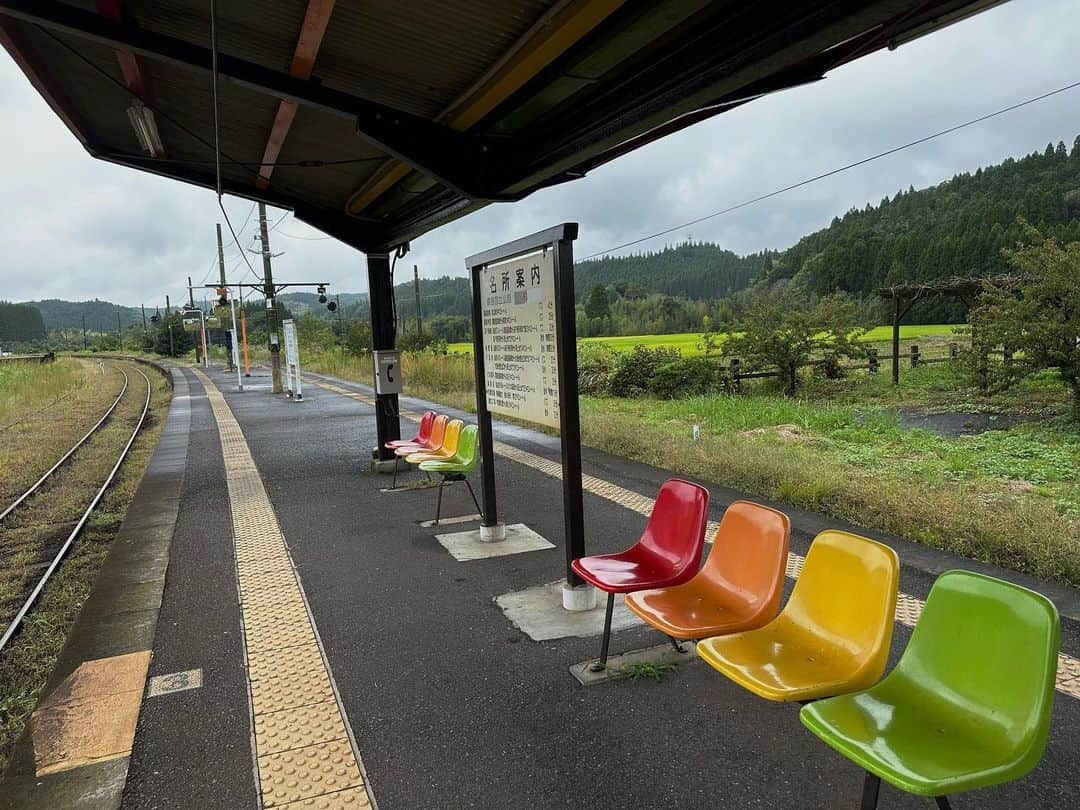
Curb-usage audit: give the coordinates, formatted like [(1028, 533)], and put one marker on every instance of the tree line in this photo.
[(20, 323)]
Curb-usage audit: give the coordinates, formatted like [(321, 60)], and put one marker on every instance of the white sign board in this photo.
[(517, 299), (293, 384)]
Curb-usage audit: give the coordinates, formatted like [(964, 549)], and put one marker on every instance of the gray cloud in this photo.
[(75, 228)]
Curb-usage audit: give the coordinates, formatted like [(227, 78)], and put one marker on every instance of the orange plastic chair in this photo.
[(833, 635), (738, 588), (435, 439), (446, 450)]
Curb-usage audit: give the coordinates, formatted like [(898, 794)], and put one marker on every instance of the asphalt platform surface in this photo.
[(450, 705)]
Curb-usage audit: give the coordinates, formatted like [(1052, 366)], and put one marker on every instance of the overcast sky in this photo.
[(72, 227)]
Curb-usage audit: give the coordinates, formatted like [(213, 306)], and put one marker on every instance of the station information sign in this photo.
[(521, 367)]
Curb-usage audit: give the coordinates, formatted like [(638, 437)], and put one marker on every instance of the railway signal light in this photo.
[(322, 294), (332, 306)]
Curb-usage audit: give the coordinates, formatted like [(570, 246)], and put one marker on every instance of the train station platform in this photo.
[(318, 645)]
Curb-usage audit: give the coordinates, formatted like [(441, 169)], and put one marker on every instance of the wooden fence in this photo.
[(872, 364)]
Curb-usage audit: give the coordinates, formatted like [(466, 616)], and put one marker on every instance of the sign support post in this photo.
[(524, 348), (235, 346)]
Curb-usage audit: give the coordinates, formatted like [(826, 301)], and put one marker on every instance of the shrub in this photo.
[(634, 369), (596, 365), (781, 329), (687, 376)]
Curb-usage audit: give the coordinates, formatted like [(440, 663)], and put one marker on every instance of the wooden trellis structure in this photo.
[(905, 295)]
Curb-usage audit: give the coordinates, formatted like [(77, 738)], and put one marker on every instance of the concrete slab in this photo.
[(466, 546), (538, 613), (651, 662)]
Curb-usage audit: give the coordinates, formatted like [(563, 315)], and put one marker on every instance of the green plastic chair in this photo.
[(458, 466), (969, 703)]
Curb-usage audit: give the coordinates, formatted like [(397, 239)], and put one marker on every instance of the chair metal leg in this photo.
[(871, 787), (479, 511), (943, 802), (601, 665), (438, 503), (393, 485), (679, 648)]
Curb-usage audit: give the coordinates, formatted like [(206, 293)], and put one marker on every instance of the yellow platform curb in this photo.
[(304, 753)]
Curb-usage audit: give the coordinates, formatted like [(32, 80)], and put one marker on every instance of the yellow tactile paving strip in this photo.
[(303, 750), (908, 608)]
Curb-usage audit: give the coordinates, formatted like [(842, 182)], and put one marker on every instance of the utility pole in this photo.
[(144, 330), (84, 333), (119, 334), (172, 345), (167, 305), (221, 274), (416, 292), (271, 303), (340, 321)]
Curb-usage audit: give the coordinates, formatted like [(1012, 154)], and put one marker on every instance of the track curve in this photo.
[(81, 523)]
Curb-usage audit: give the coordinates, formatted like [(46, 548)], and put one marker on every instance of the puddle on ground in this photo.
[(958, 423)]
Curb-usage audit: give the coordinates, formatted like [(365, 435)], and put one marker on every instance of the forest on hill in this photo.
[(20, 323), (100, 315), (699, 271), (956, 228)]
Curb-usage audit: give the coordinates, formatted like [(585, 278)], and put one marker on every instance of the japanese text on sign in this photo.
[(520, 359)]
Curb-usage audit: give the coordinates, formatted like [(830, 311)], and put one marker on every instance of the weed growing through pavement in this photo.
[(643, 669)]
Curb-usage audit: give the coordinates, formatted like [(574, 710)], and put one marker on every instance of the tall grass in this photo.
[(973, 515), (28, 386)]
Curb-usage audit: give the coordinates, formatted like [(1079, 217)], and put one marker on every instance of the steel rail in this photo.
[(17, 620), (37, 484)]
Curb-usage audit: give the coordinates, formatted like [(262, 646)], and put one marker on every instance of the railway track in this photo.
[(40, 555)]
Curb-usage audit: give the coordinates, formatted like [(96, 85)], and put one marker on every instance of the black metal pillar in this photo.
[(483, 415), (569, 410), (381, 295)]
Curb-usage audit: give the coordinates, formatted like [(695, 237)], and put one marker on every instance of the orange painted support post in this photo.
[(243, 341)]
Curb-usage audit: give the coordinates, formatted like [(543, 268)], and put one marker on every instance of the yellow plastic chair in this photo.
[(833, 635), (450, 441)]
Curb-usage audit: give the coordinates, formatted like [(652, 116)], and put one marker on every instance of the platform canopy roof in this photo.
[(378, 120)]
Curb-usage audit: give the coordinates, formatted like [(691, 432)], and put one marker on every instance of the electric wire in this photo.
[(305, 238), (844, 168), (217, 127)]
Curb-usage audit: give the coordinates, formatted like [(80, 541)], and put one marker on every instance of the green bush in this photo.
[(596, 365), (633, 370), (687, 376)]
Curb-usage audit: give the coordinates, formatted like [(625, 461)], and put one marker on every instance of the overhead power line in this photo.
[(844, 168), (308, 238)]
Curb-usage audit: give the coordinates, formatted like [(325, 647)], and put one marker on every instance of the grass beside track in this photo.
[(1008, 497), (28, 660)]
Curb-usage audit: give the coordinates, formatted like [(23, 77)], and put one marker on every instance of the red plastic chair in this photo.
[(428, 437), (422, 435), (668, 553)]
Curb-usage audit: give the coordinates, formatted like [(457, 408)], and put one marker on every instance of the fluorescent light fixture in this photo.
[(146, 131)]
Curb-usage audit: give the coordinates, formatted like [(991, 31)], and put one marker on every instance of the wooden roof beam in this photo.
[(548, 39), (312, 31), (132, 68)]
